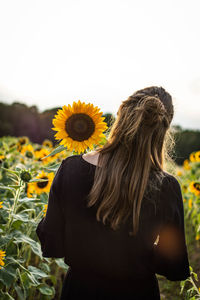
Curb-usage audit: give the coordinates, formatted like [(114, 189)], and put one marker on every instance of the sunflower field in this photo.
[(26, 173)]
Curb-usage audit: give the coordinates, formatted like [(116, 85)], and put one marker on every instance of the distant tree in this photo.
[(17, 119), (46, 125), (6, 125), (187, 141)]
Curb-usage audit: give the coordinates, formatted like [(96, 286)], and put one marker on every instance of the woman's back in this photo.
[(121, 222), (106, 263)]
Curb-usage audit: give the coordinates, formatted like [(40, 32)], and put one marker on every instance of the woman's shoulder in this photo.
[(71, 162), (76, 165), (170, 180), (171, 190), (70, 158)]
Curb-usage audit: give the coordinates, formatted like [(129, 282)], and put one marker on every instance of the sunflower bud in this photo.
[(29, 154), (25, 176)]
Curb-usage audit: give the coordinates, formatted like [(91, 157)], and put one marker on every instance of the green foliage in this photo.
[(187, 141), (26, 274)]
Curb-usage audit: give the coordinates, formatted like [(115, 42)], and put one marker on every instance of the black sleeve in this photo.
[(50, 230), (170, 253)]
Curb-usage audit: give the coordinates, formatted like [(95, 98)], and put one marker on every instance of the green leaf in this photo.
[(16, 224), (17, 263), (7, 275), (37, 272), (33, 279), (3, 187), (26, 199), (5, 239), (22, 217), (35, 246), (182, 285), (54, 279), (19, 168), (60, 262), (59, 149), (28, 209), (44, 197), (6, 296), (53, 168), (19, 292), (47, 290), (45, 267), (195, 276), (25, 279), (16, 187), (10, 171), (38, 180)]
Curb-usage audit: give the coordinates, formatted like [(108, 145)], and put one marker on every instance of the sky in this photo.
[(100, 51)]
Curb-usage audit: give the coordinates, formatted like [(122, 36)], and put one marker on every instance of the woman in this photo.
[(114, 214)]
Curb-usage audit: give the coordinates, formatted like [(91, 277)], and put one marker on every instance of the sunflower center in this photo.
[(197, 186), (22, 141), (79, 127), (42, 185)]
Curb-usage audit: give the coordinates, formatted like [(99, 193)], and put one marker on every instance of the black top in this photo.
[(108, 264)]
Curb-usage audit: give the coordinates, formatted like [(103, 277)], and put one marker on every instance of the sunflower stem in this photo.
[(14, 206)]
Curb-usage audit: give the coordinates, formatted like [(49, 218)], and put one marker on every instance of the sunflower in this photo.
[(45, 210), (27, 150), (192, 157), (197, 237), (54, 157), (47, 143), (30, 189), (190, 203), (79, 126), (2, 254), (38, 152), (43, 186), (42, 152), (22, 141), (184, 187), (179, 173), (1, 204), (197, 156), (195, 187), (186, 164)]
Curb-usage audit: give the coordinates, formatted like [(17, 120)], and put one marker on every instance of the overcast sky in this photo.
[(55, 52)]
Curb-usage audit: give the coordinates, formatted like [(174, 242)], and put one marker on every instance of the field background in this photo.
[(24, 273)]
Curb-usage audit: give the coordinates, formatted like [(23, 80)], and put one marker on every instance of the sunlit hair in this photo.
[(132, 161)]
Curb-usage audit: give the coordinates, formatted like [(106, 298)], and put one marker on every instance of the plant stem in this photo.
[(193, 283), (13, 208)]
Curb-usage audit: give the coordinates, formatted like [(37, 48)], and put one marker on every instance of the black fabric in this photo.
[(107, 264)]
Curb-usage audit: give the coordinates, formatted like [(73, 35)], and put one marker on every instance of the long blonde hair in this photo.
[(138, 144)]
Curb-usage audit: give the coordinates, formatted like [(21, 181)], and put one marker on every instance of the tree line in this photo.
[(18, 119)]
